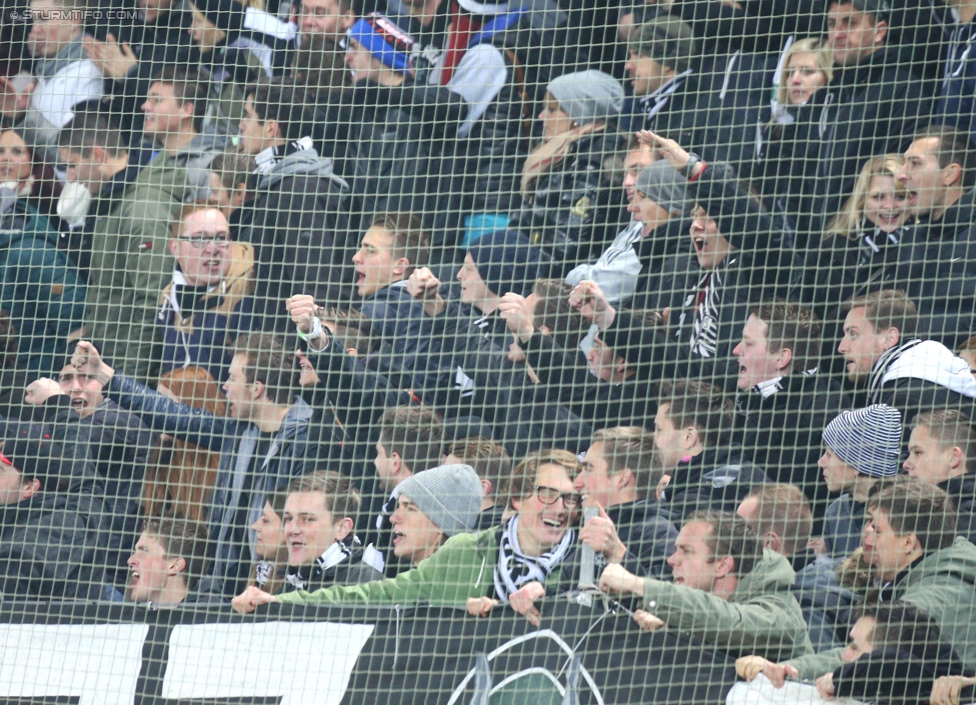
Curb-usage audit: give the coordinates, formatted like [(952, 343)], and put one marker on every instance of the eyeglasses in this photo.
[(549, 495), (221, 240)]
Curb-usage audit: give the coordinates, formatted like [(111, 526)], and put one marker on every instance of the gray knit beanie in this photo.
[(588, 96), (868, 439), (667, 40), (665, 186), (449, 495)]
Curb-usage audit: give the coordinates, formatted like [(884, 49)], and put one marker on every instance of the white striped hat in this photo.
[(868, 439)]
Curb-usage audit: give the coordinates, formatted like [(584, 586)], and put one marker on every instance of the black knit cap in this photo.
[(39, 458)]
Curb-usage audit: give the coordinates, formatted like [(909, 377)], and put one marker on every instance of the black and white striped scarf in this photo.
[(300, 576), (515, 569)]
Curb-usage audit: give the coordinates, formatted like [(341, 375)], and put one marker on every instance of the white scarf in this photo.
[(515, 569)]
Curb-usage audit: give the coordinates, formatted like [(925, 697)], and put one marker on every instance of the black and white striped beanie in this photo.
[(868, 439)]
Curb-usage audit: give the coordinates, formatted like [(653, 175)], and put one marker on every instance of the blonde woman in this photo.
[(859, 251), (787, 136)]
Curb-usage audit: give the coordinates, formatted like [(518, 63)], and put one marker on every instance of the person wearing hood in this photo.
[(569, 208), (128, 206), (861, 449), (942, 452), (50, 539), (873, 104), (298, 226), (39, 286), (700, 472), (173, 123), (208, 302), (263, 443), (889, 364), (727, 590), (61, 75), (318, 523)]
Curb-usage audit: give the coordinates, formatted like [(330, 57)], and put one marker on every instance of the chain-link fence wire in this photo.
[(471, 326)]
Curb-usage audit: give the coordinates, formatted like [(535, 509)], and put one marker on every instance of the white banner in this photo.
[(98, 664), (303, 663)]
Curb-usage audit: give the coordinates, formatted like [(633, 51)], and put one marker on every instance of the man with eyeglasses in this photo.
[(208, 302)]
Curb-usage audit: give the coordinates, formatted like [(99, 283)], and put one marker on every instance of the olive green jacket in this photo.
[(131, 264), (760, 617), (944, 585)]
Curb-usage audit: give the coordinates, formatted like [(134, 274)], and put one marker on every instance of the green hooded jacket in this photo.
[(944, 585), (130, 265), (760, 617)]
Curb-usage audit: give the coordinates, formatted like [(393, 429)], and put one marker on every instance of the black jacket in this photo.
[(647, 532), (717, 479), (50, 548), (938, 272), (299, 232), (782, 432), (872, 108), (389, 143), (574, 210), (962, 490), (119, 446)]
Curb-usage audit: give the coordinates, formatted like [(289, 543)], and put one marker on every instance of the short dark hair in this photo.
[(784, 510), (268, 361), (87, 130), (790, 325), (525, 473), (284, 101), (415, 433), (410, 239), (955, 147), (730, 535), (903, 626), (888, 308), (630, 448), (915, 507), (342, 498), (490, 460), (699, 405), (182, 538), (187, 88), (951, 429)]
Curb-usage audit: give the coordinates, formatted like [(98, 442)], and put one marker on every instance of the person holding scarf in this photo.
[(518, 562)]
